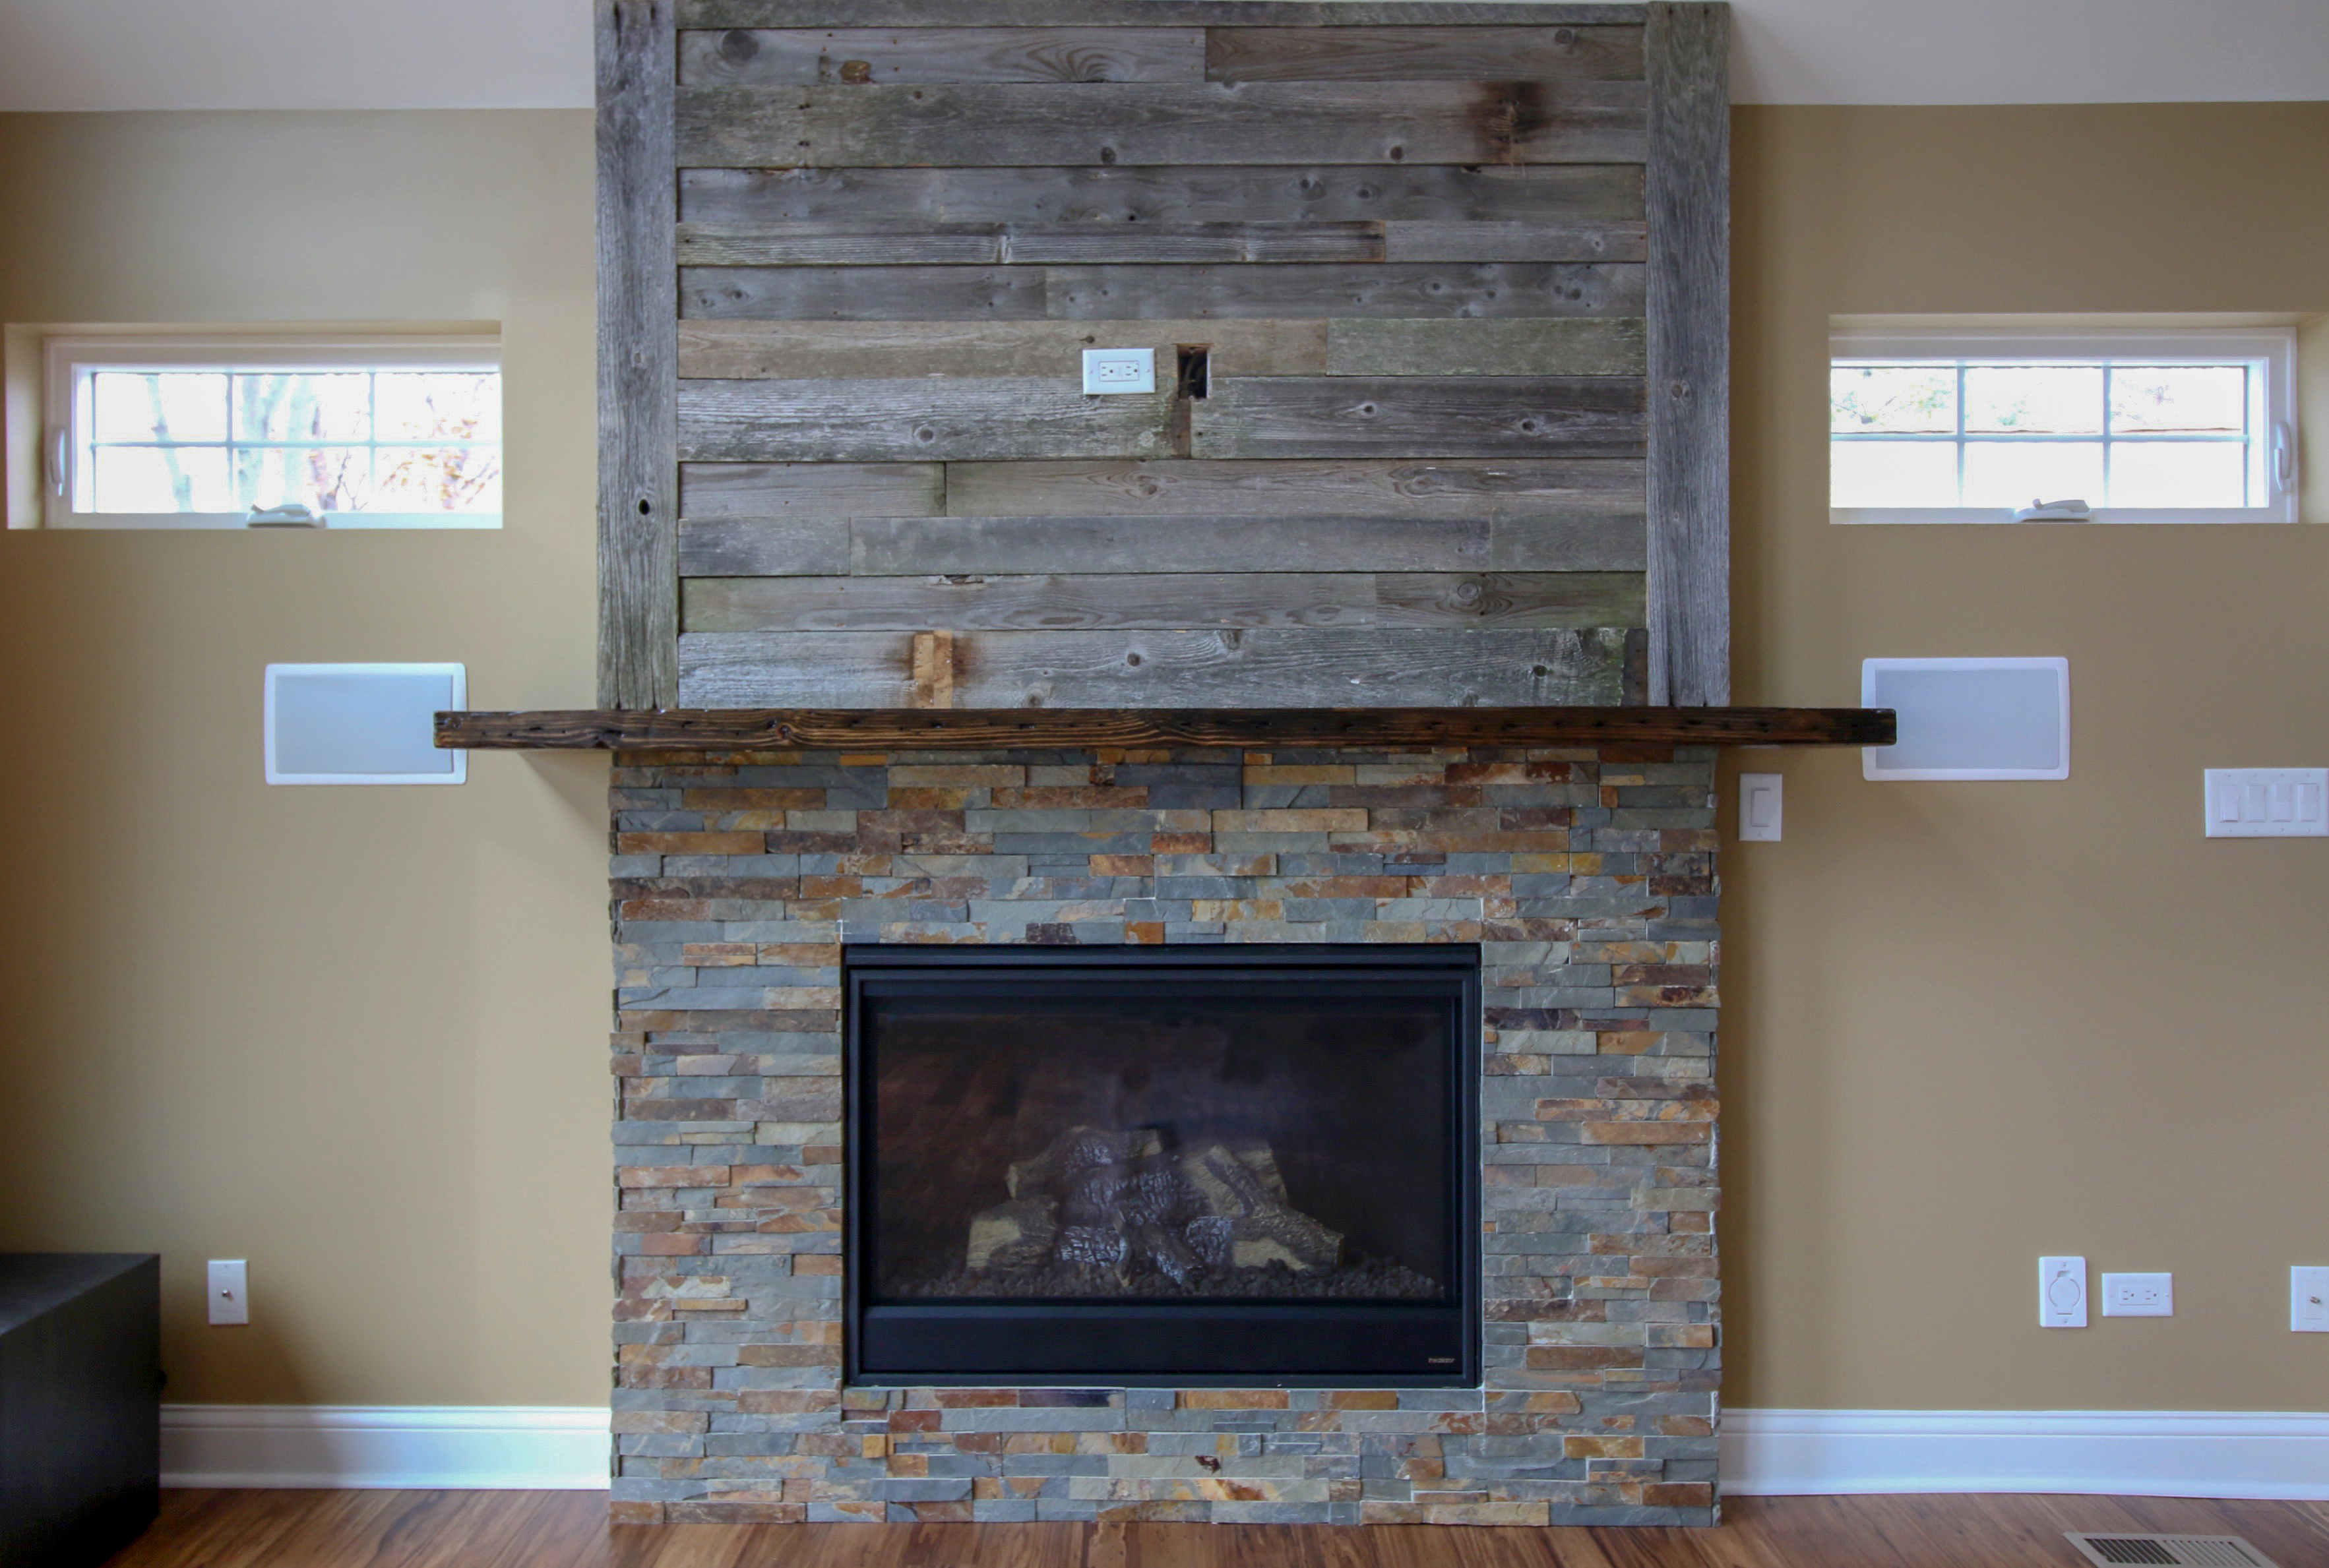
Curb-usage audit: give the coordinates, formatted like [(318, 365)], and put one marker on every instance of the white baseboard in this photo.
[(1764, 1453), (547, 1447), (2160, 1454)]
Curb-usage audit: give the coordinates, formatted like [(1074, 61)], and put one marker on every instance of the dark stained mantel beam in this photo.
[(925, 730)]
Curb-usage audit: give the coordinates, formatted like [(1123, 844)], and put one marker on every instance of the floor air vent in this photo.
[(2120, 1547)]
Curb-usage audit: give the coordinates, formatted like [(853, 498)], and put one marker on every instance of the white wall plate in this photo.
[(362, 724), (1120, 370), (1970, 718), (2061, 1292), (1762, 798), (2138, 1295), (2268, 803)]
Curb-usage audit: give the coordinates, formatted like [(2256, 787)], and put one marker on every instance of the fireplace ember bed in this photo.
[(1207, 1166)]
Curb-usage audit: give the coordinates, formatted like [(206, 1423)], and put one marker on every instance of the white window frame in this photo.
[(2272, 413), (69, 361)]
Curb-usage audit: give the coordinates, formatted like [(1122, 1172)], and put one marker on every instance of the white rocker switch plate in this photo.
[(1120, 370), (1760, 797), (2268, 803)]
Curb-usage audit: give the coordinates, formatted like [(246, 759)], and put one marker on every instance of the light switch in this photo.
[(230, 1290), (2061, 1292), (2308, 1300), (2138, 1295), (1761, 798), (2268, 803), (1120, 370)]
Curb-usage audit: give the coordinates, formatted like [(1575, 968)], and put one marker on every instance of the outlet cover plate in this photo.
[(2308, 1300), (2061, 1292), (2268, 803), (2138, 1295), (230, 1290), (1761, 797), (1119, 370)]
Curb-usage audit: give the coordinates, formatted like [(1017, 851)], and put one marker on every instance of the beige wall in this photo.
[(357, 1035), (1973, 1023)]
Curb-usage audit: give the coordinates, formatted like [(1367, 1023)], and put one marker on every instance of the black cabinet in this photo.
[(81, 1404)]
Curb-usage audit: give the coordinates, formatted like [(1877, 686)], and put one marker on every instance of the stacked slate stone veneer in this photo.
[(1587, 876)]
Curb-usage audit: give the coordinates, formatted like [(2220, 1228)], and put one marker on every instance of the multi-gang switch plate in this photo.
[(2268, 803)]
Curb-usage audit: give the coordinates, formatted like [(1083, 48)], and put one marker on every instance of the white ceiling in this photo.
[(157, 54)]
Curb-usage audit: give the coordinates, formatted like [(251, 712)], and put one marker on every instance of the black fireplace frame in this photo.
[(1291, 1344)]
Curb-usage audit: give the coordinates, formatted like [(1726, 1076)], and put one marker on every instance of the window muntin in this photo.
[(1955, 427), (177, 432)]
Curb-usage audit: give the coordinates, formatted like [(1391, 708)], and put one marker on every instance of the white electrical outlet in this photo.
[(2268, 803), (1760, 797), (2138, 1295), (2061, 1292), (1120, 370), (230, 1290), (2308, 1300)]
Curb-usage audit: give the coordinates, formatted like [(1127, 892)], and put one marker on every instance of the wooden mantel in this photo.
[(924, 729)]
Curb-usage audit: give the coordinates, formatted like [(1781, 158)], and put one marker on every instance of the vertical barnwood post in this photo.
[(638, 357), (1688, 186)]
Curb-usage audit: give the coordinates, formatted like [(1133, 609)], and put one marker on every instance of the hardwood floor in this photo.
[(287, 1529)]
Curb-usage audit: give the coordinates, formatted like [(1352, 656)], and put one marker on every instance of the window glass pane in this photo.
[(1892, 473), (1897, 400), (303, 405), (439, 405), (2034, 399), (158, 406), (2179, 473), (160, 479), (2210, 399), (439, 479), (2014, 473), (319, 478)]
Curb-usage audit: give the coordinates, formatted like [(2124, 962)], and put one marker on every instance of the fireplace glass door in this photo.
[(1223, 1164)]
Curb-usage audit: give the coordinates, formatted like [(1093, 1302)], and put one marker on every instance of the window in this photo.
[(185, 432), (1995, 424)]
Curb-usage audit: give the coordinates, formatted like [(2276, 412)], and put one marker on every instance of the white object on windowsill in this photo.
[(292, 515), (2055, 512)]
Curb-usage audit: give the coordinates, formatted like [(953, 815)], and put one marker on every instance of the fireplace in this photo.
[(1213, 1165)]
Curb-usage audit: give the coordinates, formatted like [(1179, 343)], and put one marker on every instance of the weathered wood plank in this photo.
[(812, 350), (1386, 289), (1154, 12), (1265, 668), (1532, 53), (828, 245), (1609, 491), (1406, 242), (864, 293), (1196, 601), (1543, 193), (1689, 309), (1420, 415), (1588, 346), (751, 547), (1035, 545), (812, 489), (1588, 122), (768, 57), (638, 589), (930, 418)]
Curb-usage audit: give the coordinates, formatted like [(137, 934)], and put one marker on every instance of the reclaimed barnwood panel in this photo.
[(1015, 125), (933, 417), (1409, 241), (967, 729), (1154, 12), (751, 547), (1308, 667), (772, 490), (861, 350), (825, 244), (1135, 292), (638, 591), (1689, 307), (1219, 601), (1609, 490), (1578, 346), (852, 56), (1427, 416), (1553, 194), (916, 546), (1532, 53)]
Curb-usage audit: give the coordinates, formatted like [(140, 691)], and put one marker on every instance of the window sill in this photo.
[(233, 522), (2105, 515)]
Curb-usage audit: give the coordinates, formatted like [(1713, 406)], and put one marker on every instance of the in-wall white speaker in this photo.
[(1970, 718), (362, 724)]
